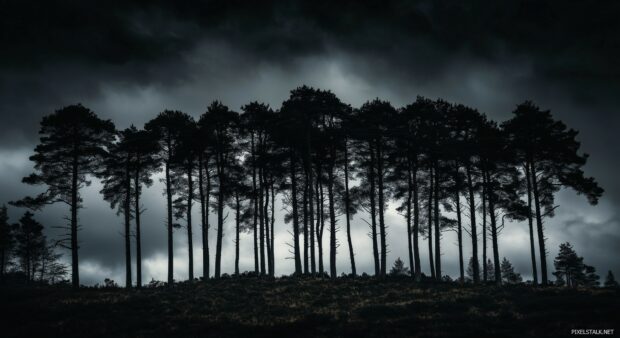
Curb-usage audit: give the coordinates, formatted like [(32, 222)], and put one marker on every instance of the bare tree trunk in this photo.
[(437, 227), (498, 273), (430, 223), (321, 225), (220, 216), (416, 224), (295, 215), (305, 216), (75, 273), (408, 216), (457, 198), (127, 212), (170, 249), (255, 201), (190, 203), (539, 224), (483, 197), (237, 221), (262, 222), (472, 224), (203, 223), (332, 218), (273, 232), (347, 205), (205, 243), (373, 210), (382, 228), (530, 223)]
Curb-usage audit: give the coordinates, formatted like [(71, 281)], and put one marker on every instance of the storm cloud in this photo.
[(129, 60)]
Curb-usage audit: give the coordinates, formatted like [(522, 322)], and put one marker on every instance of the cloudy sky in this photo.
[(129, 60)]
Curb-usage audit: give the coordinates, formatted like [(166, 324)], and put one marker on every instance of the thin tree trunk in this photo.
[(127, 212), (472, 221), (237, 221), (295, 214), (347, 206), (408, 216), (203, 215), (138, 233), (170, 249), (430, 224), (459, 223), (273, 232), (530, 224), (437, 227), (498, 273), (382, 228), (483, 197), (541, 237), (75, 273), (321, 226), (190, 203), (332, 218), (311, 221), (262, 222), (220, 217), (305, 216), (416, 224), (255, 201), (267, 230), (373, 212), (205, 244)]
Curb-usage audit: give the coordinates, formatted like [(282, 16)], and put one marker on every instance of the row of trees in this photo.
[(24, 248), (446, 166)]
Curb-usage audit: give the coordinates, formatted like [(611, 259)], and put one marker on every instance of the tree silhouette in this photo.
[(72, 146), (6, 240), (610, 280), (168, 128), (550, 150), (30, 244), (223, 123)]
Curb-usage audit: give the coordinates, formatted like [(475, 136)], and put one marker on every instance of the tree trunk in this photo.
[(237, 221), (295, 214), (255, 201), (530, 223), (332, 218), (437, 227), (539, 225), (382, 228), (416, 224), (483, 197), (472, 221), (321, 225), (138, 234), (430, 223), (190, 202), (459, 231), (169, 202), (261, 222), (273, 232), (496, 263), (127, 212), (203, 214), (205, 244), (408, 216), (267, 230), (347, 206), (75, 273), (373, 212), (220, 217), (305, 216)]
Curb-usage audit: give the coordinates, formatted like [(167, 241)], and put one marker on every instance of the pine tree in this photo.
[(508, 273), (610, 280), (72, 146), (399, 268), (6, 240), (30, 244)]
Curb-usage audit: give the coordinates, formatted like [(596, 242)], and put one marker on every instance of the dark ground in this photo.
[(305, 308)]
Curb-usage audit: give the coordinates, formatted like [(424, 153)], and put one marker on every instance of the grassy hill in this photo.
[(363, 307)]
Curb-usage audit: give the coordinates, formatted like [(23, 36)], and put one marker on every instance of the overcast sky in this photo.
[(128, 61)]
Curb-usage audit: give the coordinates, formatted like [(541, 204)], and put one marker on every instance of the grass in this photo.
[(305, 307)]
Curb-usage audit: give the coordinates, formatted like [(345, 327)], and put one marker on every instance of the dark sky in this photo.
[(129, 60)]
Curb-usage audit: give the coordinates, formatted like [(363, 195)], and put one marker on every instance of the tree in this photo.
[(551, 153), (6, 240), (610, 280), (72, 146), (117, 190), (30, 244), (223, 123), (144, 149), (168, 128), (508, 273), (490, 270), (571, 270), (399, 268), (471, 270)]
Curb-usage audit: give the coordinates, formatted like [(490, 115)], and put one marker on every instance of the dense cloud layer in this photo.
[(128, 60)]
